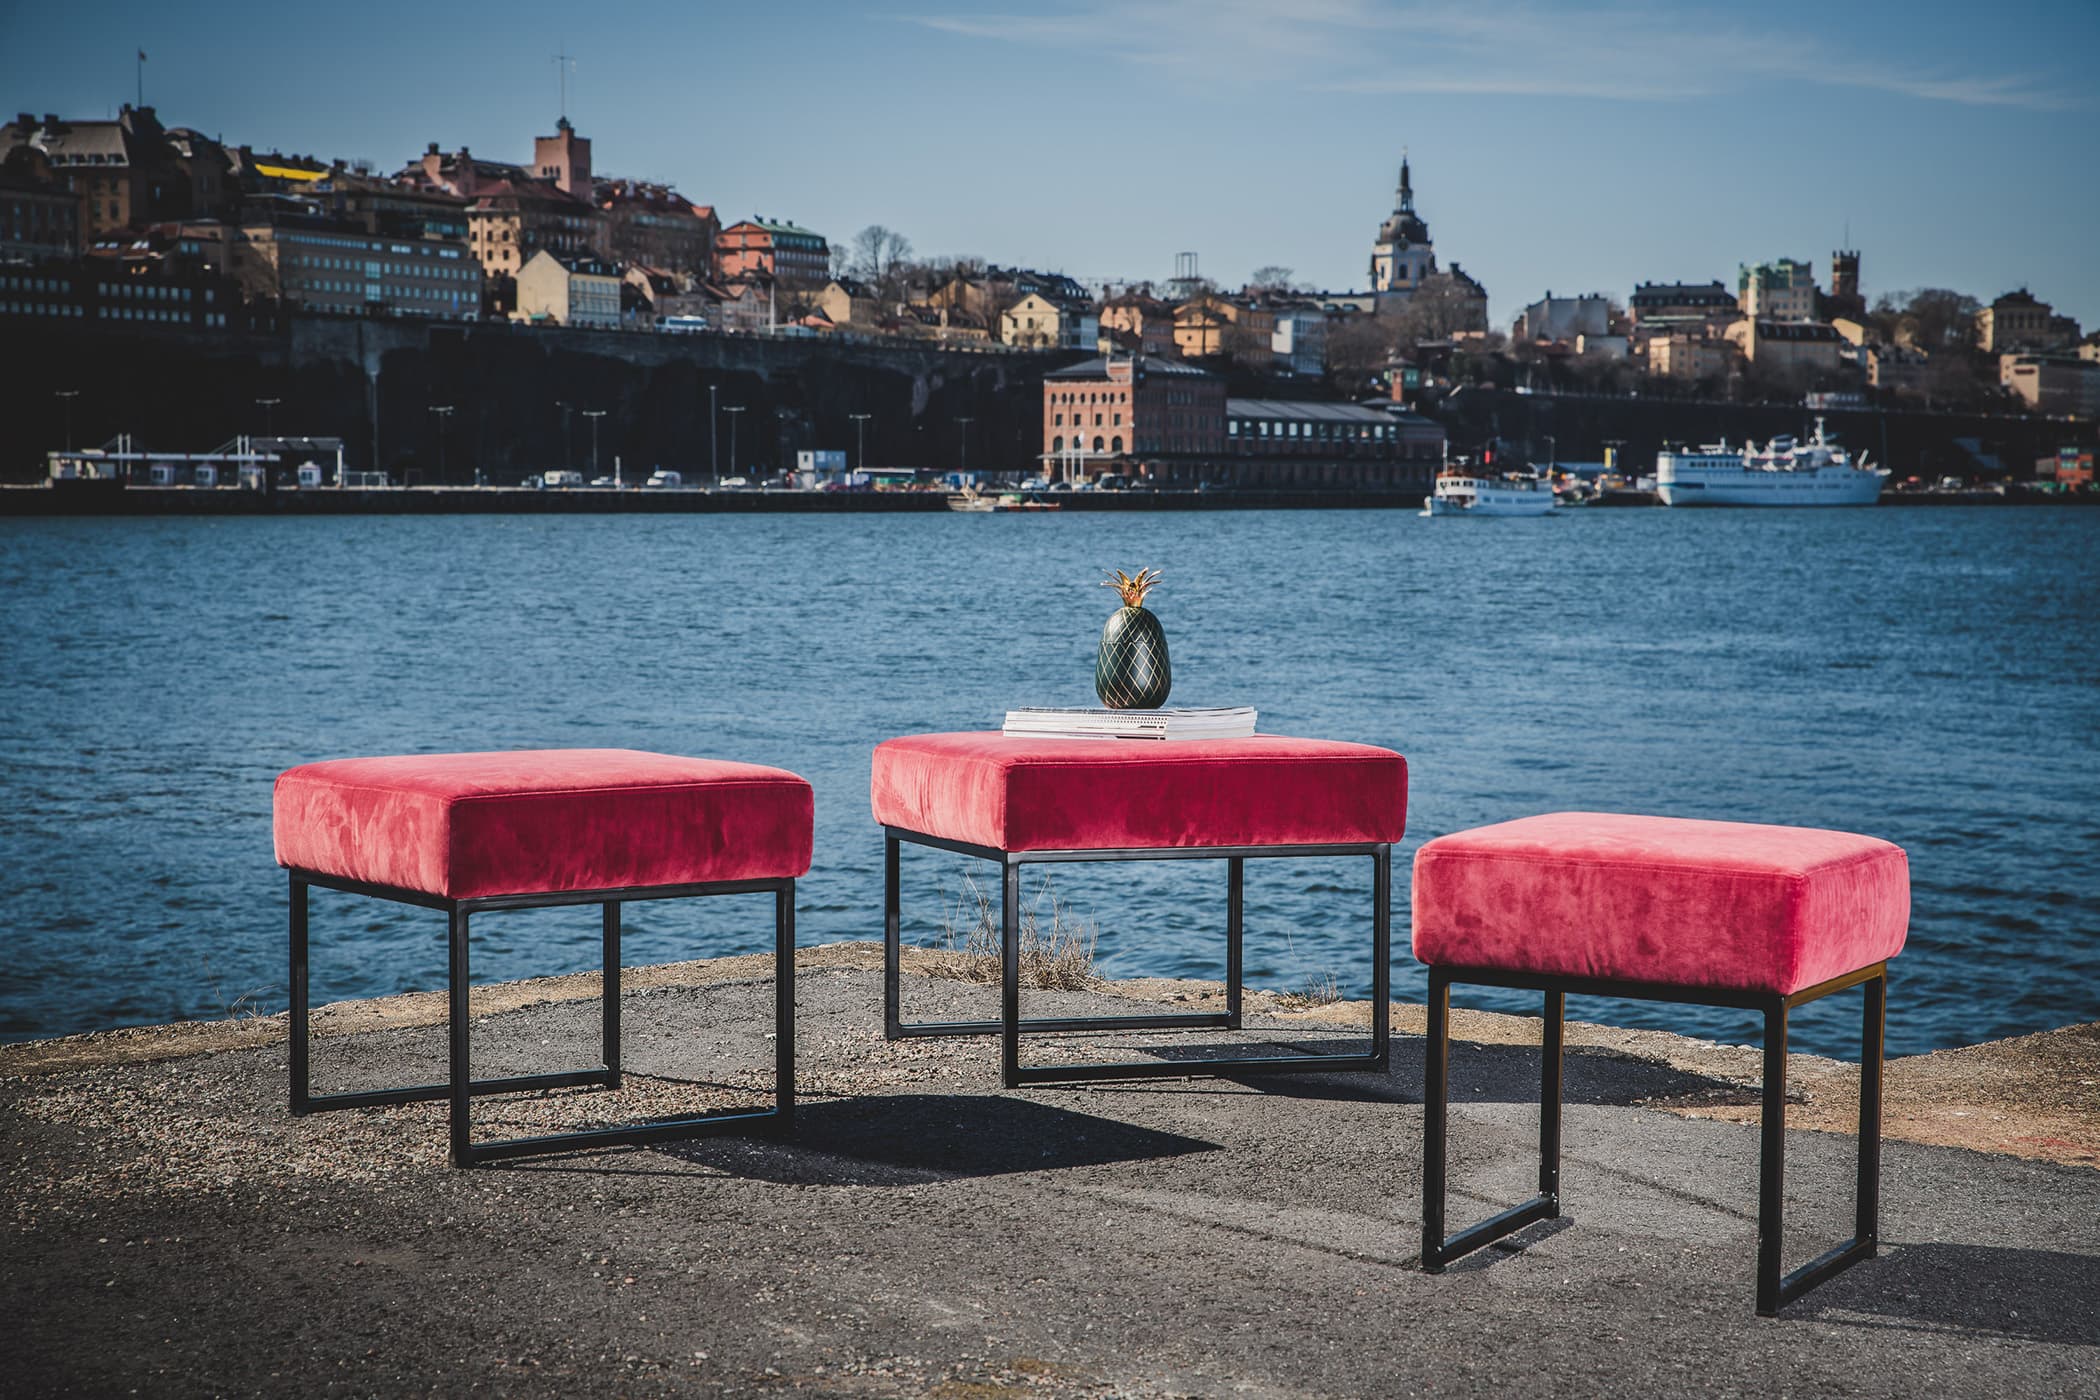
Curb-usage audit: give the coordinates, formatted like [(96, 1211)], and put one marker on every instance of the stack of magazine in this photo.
[(1050, 722)]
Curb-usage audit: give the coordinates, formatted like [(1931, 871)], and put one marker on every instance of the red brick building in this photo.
[(1130, 414), (780, 252)]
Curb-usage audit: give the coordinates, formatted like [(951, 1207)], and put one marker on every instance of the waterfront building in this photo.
[(1287, 443), (1895, 370), (1553, 318), (1200, 328), (846, 301), (655, 226), (1039, 323), (2058, 386), (1784, 290), (1113, 412), (674, 294), (2019, 320), (322, 263), (141, 289), (126, 170), (39, 218), (568, 292), (1403, 255), (1784, 346), (510, 221), (783, 252), (1298, 344), (1688, 355), (1137, 322), (1676, 304)]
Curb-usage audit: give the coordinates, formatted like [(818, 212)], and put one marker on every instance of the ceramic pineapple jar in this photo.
[(1132, 672)]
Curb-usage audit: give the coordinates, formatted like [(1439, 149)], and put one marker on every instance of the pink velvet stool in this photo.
[(1021, 802), (467, 832), (1721, 913)]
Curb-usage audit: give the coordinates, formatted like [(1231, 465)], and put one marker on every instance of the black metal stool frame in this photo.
[(1774, 1290), (460, 1087), (1011, 1024)]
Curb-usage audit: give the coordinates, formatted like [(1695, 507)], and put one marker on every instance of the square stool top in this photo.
[(539, 821), (1016, 794), (1661, 899)]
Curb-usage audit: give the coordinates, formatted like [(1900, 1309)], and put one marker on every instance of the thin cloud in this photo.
[(1508, 49)]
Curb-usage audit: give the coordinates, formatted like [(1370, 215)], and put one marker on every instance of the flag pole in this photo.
[(141, 73)]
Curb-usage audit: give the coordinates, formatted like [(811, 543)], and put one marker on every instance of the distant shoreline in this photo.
[(43, 500)]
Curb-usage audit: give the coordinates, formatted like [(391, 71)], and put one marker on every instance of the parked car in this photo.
[(558, 479), (664, 480), (735, 483), (603, 481)]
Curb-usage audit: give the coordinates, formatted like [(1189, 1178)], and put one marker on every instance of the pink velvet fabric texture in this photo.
[(536, 821), (1091, 794), (1661, 899)]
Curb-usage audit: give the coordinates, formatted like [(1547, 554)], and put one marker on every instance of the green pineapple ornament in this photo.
[(1132, 673)]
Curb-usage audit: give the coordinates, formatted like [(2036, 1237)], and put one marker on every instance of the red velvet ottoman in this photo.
[(466, 832), (1660, 908), (1021, 802)]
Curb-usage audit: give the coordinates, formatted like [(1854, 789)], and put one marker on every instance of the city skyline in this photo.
[(1553, 148)]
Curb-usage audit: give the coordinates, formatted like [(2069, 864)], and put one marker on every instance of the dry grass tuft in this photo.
[(1057, 946), (1320, 989)]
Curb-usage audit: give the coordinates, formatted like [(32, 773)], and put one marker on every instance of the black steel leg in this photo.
[(609, 995), (1551, 1092), (892, 942), (1010, 973), (1866, 1200), (1774, 1289), (457, 1026), (1436, 1250), (1436, 1087), (1235, 930), (1771, 1164), (301, 1084), (784, 1004), (1382, 957)]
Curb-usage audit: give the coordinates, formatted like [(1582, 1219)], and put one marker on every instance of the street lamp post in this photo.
[(860, 430), (733, 410), (67, 396), (1552, 454), (269, 408), (965, 425), (714, 453), (443, 412), (594, 414)]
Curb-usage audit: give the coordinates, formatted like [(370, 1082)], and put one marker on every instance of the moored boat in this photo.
[(1783, 472), (1462, 490)]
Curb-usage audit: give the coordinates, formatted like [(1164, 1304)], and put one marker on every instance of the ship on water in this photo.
[(1783, 472), (1470, 491)]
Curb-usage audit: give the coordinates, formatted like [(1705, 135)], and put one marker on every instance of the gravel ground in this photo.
[(172, 1230)]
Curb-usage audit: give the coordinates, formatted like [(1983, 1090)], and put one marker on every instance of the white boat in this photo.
[(1468, 491), (1781, 473)]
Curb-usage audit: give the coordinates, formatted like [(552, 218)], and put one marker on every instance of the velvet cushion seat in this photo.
[(1661, 899), (470, 825), (1015, 794)]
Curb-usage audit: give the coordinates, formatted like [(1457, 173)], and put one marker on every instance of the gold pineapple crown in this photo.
[(1133, 587)]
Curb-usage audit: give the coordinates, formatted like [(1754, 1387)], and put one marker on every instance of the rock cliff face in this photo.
[(518, 396)]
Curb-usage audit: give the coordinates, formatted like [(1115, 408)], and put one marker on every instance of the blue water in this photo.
[(1929, 676)]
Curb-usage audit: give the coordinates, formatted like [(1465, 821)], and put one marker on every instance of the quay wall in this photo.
[(1913, 442), (519, 396)]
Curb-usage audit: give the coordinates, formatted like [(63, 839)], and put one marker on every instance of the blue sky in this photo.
[(1563, 147)]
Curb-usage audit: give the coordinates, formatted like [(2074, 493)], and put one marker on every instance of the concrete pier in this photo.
[(173, 1231)]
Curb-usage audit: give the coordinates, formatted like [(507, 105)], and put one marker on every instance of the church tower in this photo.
[(1403, 254)]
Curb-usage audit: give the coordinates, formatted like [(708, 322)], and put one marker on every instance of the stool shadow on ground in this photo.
[(2036, 1295), (902, 1139), (1479, 1074)]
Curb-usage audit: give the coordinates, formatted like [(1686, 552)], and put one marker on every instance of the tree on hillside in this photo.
[(1272, 278), (1440, 309), (1358, 348), (1932, 319), (879, 257)]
